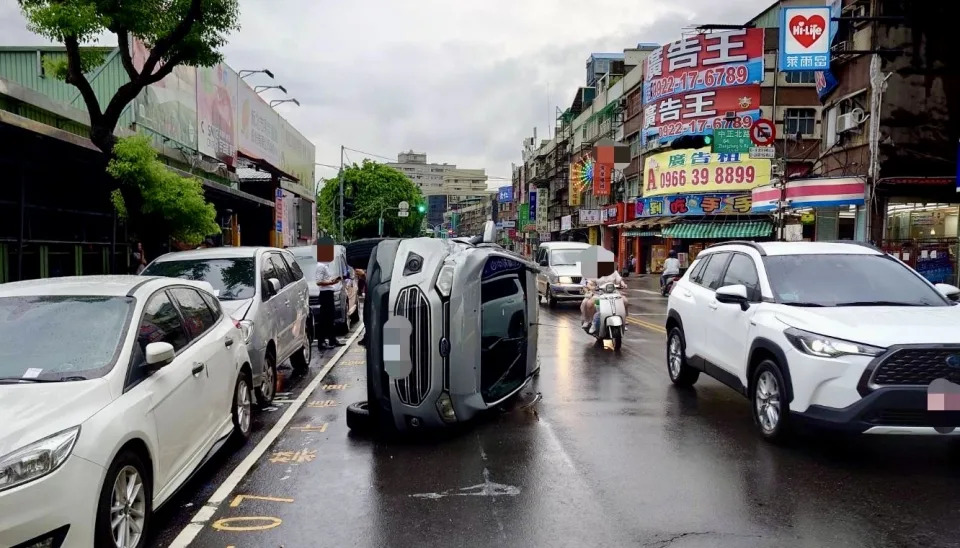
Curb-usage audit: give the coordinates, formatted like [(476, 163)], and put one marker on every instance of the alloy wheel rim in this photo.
[(768, 401), (128, 508), (243, 406), (675, 356), (269, 385)]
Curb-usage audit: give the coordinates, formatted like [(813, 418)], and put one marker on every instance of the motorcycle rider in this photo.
[(588, 308), (671, 267)]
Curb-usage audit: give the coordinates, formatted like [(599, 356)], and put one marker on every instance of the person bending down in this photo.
[(588, 308)]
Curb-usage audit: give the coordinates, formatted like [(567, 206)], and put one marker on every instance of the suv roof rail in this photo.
[(754, 245), (867, 245)]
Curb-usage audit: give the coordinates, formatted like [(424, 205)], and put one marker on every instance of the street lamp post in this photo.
[(276, 102), (258, 89), (249, 72)]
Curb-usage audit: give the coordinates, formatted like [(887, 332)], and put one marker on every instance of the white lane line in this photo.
[(643, 314), (203, 515), (648, 292)]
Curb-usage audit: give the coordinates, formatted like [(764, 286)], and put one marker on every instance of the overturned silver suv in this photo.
[(468, 315)]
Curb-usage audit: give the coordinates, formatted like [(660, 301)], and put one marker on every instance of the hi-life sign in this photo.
[(804, 38)]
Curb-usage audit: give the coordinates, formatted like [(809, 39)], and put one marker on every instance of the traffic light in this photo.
[(691, 141), (421, 208)]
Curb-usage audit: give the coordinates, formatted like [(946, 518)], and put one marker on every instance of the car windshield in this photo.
[(56, 338), (233, 278), (565, 257), (847, 280)]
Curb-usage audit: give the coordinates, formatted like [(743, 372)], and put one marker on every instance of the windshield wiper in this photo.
[(879, 303), (812, 305), (27, 379)]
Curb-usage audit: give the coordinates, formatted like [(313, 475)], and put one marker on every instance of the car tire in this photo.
[(681, 374), (551, 300), (617, 339), (767, 390), (300, 360), (358, 417), (267, 378), (127, 467), (241, 409)]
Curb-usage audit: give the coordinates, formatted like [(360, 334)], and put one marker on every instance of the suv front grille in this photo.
[(916, 367), (314, 301), (413, 305)]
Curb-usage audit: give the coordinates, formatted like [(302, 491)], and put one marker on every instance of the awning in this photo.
[(642, 233), (720, 231)]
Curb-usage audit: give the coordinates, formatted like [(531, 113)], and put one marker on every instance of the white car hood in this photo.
[(236, 309), (878, 325), (566, 270), (32, 412)]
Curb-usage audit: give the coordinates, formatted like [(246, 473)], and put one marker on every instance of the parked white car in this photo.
[(839, 335), (113, 391), (264, 289)]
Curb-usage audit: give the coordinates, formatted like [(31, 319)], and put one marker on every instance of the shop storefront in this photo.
[(817, 209)]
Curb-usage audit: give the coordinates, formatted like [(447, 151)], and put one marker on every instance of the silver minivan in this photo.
[(266, 293), (560, 276)]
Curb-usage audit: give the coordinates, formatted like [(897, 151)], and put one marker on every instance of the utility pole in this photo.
[(340, 180)]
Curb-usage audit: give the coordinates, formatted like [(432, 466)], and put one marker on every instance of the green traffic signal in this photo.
[(707, 139), (421, 208)]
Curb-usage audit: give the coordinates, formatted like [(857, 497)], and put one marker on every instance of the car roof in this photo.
[(214, 253), (799, 248), (107, 286)]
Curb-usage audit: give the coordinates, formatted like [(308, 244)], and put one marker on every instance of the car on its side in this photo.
[(472, 309), (264, 289), (114, 390), (559, 278), (839, 335)]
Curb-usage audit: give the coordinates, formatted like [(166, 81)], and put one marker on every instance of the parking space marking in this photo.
[(240, 498), (293, 457), (226, 524), (204, 514), (335, 386), (322, 403), (353, 362), (322, 427)]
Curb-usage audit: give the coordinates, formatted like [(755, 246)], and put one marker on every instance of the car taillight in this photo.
[(236, 323)]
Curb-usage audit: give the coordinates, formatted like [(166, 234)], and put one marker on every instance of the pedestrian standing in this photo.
[(327, 283), (138, 259)]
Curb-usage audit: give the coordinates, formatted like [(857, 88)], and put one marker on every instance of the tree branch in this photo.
[(166, 69), (163, 45), (76, 77), (123, 42)]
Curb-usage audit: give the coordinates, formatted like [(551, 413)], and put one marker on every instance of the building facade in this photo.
[(443, 185)]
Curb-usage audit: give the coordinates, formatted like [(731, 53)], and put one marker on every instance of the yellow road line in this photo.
[(648, 325)]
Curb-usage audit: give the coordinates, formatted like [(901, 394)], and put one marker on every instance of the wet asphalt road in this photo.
[(612, 455)]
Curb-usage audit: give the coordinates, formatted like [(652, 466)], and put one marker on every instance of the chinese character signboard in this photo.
[(698, 171), (589, 216), (533, 203), (505, 194), (573, 185), (543, 223), (692, 85), (732, 140), (566, 222), (602, 170), (694, 204), (804, 38)]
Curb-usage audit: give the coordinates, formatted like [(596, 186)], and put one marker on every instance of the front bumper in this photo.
[(567, 292), (66, 498), (888, 410)]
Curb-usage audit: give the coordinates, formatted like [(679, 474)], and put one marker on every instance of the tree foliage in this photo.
[(373, 187), (177, 200)]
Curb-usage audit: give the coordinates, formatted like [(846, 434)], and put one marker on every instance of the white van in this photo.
[(560, 276)]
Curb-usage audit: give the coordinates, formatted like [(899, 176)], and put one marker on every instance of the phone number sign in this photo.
[(698, 171)]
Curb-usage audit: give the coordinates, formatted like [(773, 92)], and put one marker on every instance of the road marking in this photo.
[(322, 427), (203, 515), (240, 498), (649, 292), (648, 313), (648, 325), (293, 457), (322, 403), (353, 362), (335, 386), (224, 524)]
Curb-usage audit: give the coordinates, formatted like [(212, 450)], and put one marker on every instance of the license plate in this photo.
[(943, 395)]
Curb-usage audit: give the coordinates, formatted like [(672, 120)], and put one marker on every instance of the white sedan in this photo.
[(113, 391)]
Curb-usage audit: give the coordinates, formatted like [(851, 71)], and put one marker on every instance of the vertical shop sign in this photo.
[(278, 211), (533, 204)]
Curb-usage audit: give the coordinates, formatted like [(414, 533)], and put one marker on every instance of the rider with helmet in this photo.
[(671, 267), (606, 273)]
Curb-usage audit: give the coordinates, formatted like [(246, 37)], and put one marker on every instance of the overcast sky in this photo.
[(464, 81)]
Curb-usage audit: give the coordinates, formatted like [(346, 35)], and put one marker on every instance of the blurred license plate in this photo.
[(943, 395)]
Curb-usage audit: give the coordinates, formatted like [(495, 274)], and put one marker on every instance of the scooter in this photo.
[(668, 285), (612, 316)]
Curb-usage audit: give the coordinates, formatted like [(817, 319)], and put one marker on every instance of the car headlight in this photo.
[(565, 279), (246, 330), (828, 347), (445, 280), (37, 459)]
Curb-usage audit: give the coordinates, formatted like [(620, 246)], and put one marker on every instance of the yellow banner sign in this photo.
[(573, 186), (687, 171)]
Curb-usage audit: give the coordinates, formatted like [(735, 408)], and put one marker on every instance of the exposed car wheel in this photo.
[(551, 301), (242, 408), (300, 360), (268, 381), (770, 411), (124, 510), (358, 417), (681, 374)]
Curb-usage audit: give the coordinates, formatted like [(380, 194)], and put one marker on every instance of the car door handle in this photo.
[(197, 368), (228, 343), (713, 305)]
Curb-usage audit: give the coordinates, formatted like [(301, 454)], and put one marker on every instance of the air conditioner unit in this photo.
[(847, 122)]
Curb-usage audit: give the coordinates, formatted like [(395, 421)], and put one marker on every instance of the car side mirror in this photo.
[(951, 292), (159, 354), (274, 286), (544, 262), (734, 294)]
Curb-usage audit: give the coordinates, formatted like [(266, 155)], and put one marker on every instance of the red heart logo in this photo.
[(807, 30)]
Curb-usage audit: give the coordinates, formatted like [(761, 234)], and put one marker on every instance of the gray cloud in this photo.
[(463, 82)]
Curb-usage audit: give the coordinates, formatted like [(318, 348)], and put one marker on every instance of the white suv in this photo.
[(836, 334)]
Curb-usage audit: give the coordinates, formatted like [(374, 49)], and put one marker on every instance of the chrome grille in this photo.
[(314, 300), (577, 279), (413, 305), (916, 367)]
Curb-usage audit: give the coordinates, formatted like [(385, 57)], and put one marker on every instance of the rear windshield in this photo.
[(61, 337), (232, 279)]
